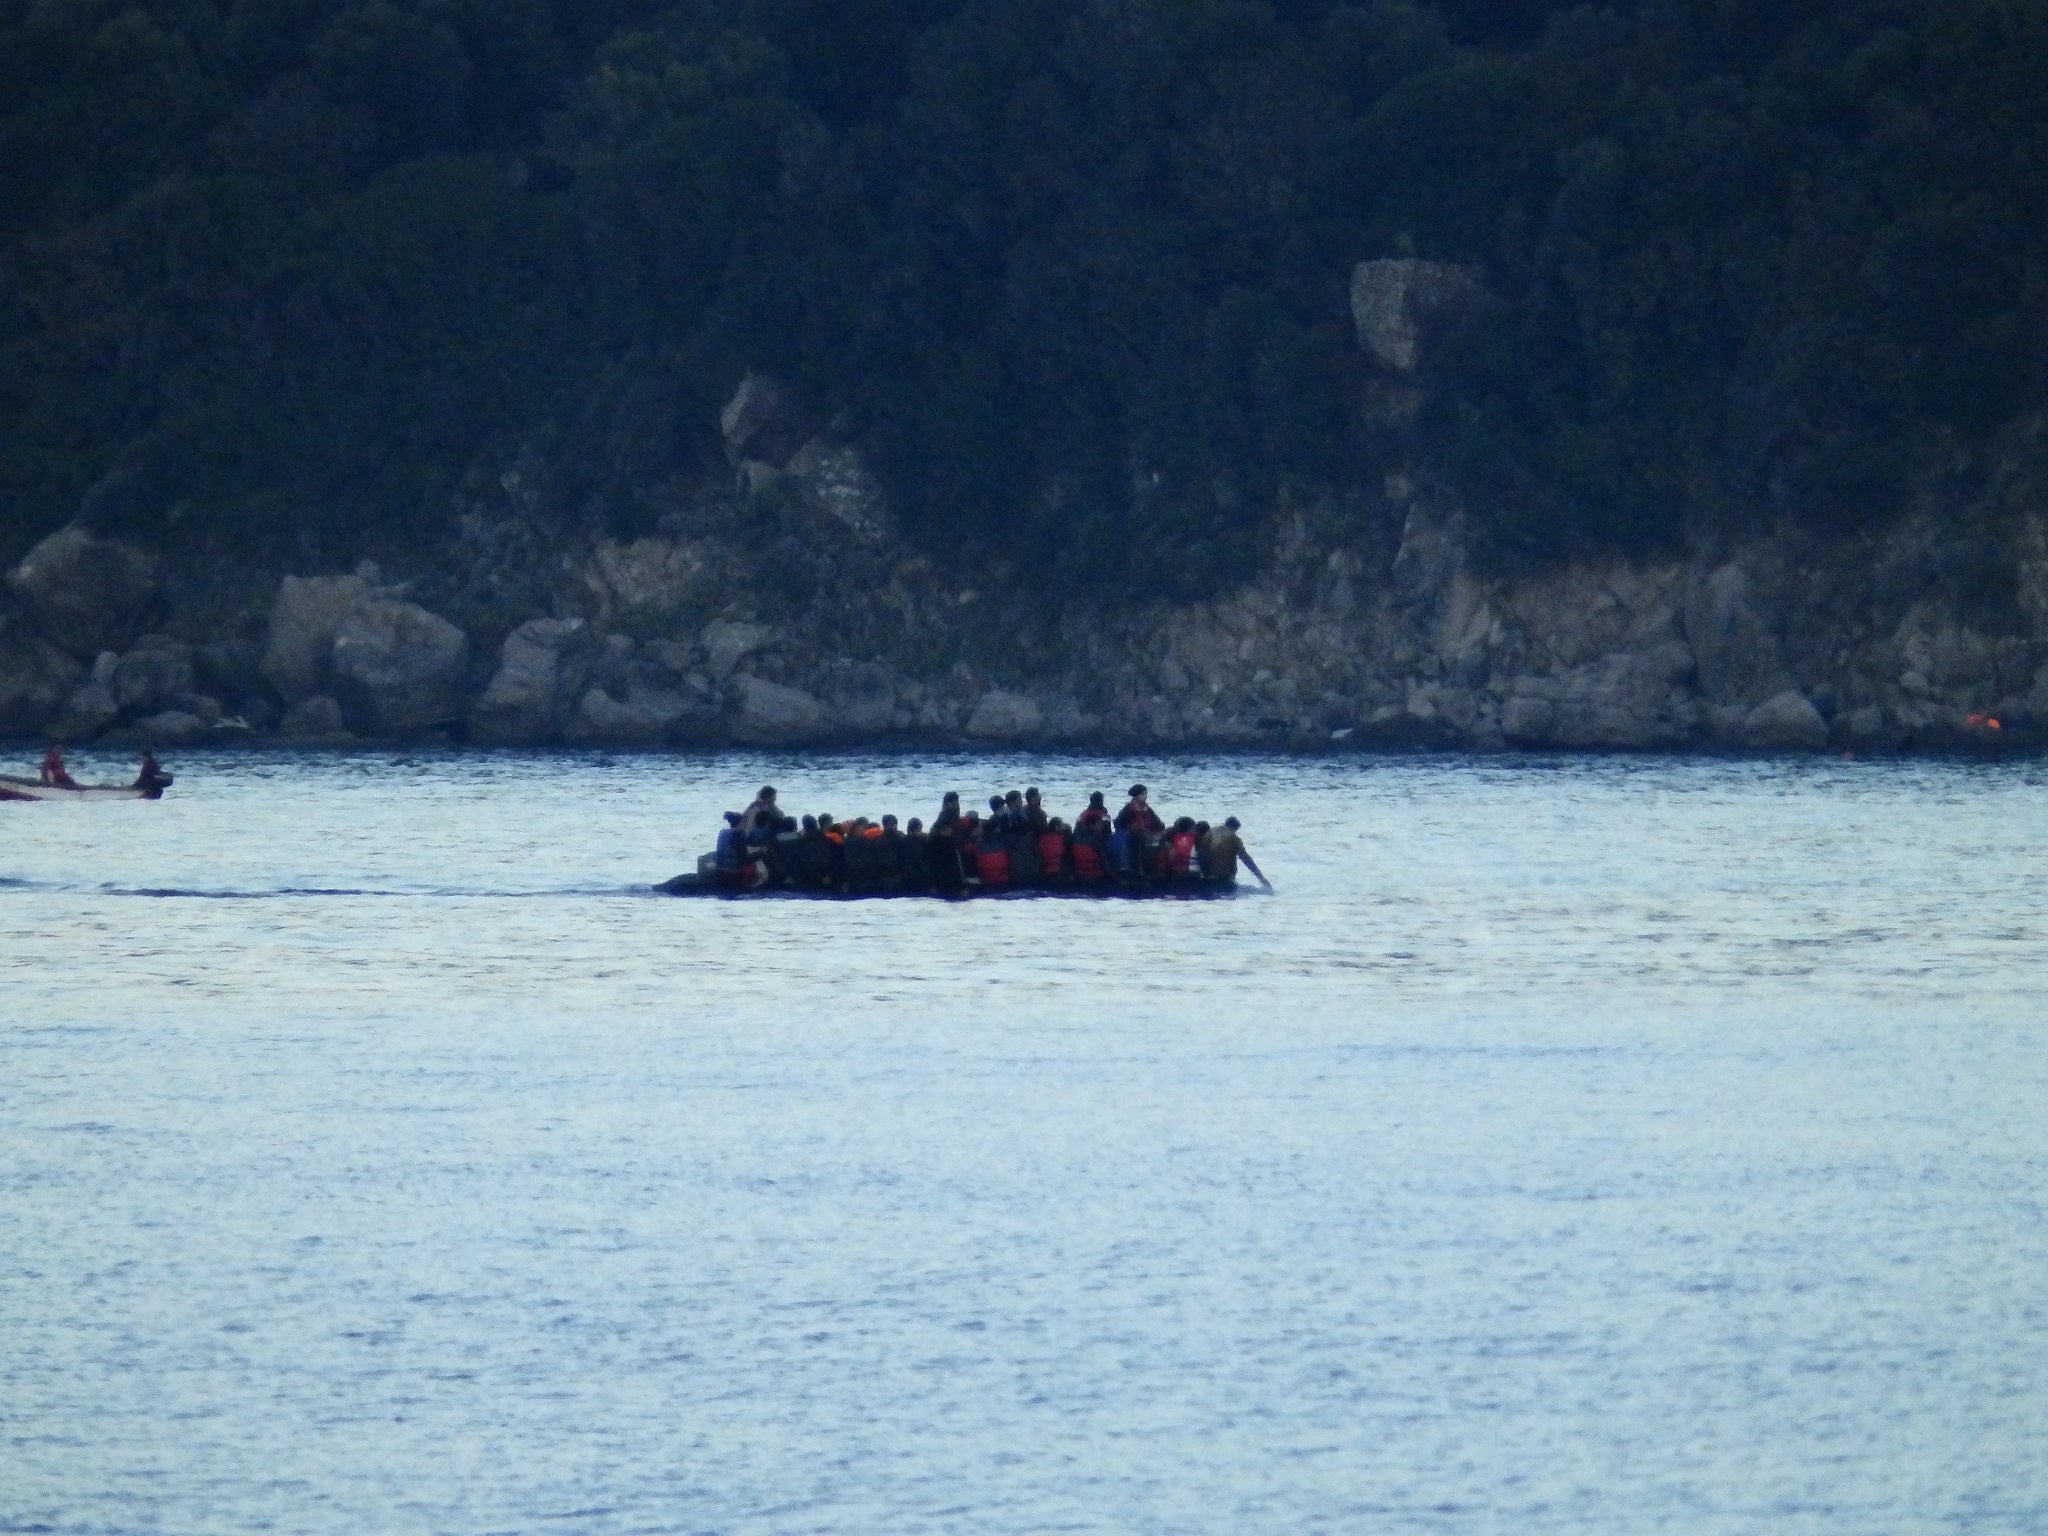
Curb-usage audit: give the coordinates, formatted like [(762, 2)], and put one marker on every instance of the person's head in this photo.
[(1185, 824), (916, 828), (888, 822), (1232, 823), (1031, 795), (1013, 799), (767, 795), (1137, 791), (1201, 829), (995, 803), (810, 822), (952, 799), (1055, 825), (787, 824), (1095, 800), (826, 823)]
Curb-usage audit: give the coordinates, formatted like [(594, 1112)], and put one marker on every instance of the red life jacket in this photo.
[(1180, 849), (992, 863), (1087, 860), (1052, 848)]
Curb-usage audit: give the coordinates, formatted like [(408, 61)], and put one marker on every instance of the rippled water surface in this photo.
[(1566, 1146)]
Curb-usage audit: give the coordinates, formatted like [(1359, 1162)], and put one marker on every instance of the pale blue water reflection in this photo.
[(1582, 1145)]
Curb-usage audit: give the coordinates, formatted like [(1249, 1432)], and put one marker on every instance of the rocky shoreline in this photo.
[(1772, 648), (780, 607)]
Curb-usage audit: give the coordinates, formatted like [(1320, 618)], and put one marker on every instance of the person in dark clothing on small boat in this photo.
[(917, 875), (151, 775), (761, 817), (942, 845), (1022, 839), (863, 867), (892, 857)]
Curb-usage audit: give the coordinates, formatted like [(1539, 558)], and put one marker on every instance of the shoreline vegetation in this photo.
[(1051, 373)]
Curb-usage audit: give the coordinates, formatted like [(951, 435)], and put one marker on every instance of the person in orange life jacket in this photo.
[(1226, 848), (992, 857), (54, 773), (1052, 853), (1179, 850), (1090, 841), (835, 851)]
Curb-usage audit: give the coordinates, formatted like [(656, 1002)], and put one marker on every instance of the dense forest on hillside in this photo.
[(275, 271)]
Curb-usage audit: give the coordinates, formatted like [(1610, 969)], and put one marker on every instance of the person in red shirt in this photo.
[(54, 773)]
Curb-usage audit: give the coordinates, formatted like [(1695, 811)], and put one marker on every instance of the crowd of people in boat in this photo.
[(1016, 845)]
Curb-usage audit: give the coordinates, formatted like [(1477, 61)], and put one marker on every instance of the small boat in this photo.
[(30, 789)]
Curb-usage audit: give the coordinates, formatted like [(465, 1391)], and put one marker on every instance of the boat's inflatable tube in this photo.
[(1163, 890), (30, 789)]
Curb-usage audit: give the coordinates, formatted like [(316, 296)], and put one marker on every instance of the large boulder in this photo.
[(770, 714), (314, 722), (728, 643), (93, 705), (87, 593), (1785, 722), (1004, 716), (1738, 655), (35, 680), (398, 668), (152, 676), (1395, 301), (764, 422), (543, 668), (308, 613), (836, 481), (649, 587), (643, 716)]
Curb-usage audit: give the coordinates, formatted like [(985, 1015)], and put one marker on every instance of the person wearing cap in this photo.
[(1138, 818), (1225, 849)]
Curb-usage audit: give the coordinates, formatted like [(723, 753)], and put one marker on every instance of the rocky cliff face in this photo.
[(783, 608)]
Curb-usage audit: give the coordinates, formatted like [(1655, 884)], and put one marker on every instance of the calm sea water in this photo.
[(1606, 1145)]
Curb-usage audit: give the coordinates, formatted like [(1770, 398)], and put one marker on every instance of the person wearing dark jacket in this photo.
[(942, 845), (892, 857)]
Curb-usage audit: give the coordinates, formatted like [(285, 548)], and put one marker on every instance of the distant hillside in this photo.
[(282, 275)]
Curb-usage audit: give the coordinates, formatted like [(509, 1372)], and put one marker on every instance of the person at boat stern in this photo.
[(1226, 849)]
